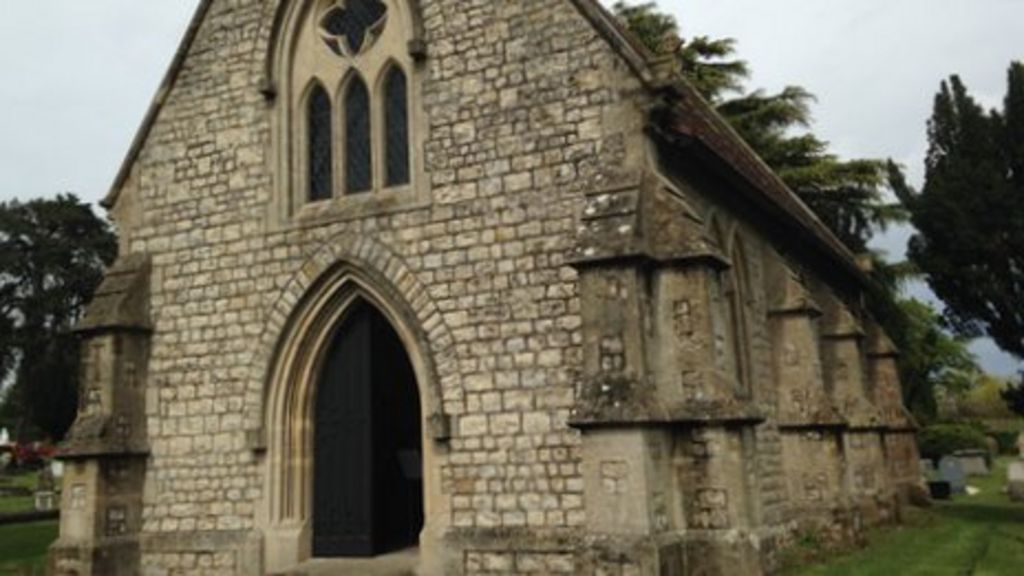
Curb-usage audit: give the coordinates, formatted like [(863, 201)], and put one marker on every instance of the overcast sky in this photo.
[(78, 76)]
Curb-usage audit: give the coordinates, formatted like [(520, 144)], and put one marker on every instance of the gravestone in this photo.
[(46, 496), (1015, 481), (1020, 444), (5, 437), (973, 462), (950, 470)]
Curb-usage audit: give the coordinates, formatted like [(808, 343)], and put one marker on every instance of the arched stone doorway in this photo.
[(292, 519), (368, 469)]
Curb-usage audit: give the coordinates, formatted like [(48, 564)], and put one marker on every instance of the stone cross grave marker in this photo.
[(950, 470)]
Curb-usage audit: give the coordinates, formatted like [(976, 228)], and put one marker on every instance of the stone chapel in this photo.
[(464, 287)]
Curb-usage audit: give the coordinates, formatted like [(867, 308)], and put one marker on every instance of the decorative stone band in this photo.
[(827, 417), (598, 407)]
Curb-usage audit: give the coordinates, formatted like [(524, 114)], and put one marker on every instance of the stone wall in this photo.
[(533, 147), (525, 105)]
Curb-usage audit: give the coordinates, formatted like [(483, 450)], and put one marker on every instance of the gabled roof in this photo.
[(694, 122)]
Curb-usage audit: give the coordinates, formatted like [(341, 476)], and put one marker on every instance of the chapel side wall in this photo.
[(527, 107), (761, 482), (807, 468)]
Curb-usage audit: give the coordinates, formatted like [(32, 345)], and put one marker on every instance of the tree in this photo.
[(52, 256), (931, 359), (1013, 396), (984, 401), (846, 195), (970, 214)]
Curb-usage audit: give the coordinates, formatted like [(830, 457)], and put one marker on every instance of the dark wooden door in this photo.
[(368, 487)]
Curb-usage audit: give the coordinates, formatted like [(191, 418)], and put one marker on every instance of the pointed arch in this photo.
[(358, 136), (737, 292), (319, 143), (302, 346), (394, 86), (714, 232), (287, 12)]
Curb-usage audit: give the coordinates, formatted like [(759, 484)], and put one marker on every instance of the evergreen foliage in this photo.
[(1013, 395), (52, 256), (930, 359), (845, 194), (970, 213)]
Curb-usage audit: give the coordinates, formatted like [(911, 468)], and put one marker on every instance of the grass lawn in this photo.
[(980, 535), (23, 548), (11, 504)]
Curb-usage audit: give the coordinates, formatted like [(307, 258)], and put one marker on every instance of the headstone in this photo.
[(973, 462), (1020, 444), (5, 437), (1015, 478), (950, 470), (5, 460), (46, 501), (46, 498)]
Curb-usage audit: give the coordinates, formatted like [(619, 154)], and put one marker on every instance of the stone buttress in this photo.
[(667, 436), (811, 426), (844, 356), (106, 450), (900, 432)]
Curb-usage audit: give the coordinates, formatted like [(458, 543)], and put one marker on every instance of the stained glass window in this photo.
[(356, 24), (358, 151), (321, 174), (396, 116)]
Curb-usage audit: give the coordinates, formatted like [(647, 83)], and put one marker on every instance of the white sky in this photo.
[(78, 76)]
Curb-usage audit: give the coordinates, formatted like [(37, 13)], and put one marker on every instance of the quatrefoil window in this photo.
[(350, 27)]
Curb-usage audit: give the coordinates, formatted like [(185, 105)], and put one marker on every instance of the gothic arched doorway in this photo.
[(368, 469)]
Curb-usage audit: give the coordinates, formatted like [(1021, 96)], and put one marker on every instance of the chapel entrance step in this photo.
[(398, 564)]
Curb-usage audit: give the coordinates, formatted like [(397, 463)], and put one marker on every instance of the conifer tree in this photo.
[(970, 213)]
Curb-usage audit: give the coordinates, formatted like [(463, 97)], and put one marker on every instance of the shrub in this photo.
[(941, 440), (1007, 442)]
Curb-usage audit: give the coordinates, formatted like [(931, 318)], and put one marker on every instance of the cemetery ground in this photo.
[(981, 535), (24, 503), (23, 546)]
